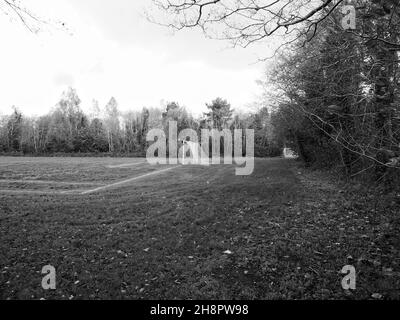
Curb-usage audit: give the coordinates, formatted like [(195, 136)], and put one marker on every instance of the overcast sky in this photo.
[(114, 51)]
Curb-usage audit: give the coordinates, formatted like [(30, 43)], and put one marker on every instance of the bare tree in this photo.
[(17, 10), (246, 21)]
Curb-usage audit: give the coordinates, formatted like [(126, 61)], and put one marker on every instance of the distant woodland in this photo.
[(67, 129)]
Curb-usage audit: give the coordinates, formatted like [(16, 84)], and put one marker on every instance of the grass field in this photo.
[(120, 228)]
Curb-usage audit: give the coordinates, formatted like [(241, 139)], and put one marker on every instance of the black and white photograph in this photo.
[(222, 151)]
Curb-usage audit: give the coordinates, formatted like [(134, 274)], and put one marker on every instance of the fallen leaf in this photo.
[(387, 271)]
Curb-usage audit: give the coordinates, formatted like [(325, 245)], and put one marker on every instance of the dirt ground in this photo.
[(192, 232)]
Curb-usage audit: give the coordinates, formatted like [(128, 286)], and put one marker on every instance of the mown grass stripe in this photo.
[(112, 185)]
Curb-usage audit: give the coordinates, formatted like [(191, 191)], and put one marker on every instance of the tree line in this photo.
[(337, 97), (67, 129)]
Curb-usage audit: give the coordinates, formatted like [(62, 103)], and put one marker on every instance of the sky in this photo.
[(109, 49)]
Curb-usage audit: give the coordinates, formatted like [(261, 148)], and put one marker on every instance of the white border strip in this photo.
[(127, 181)]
